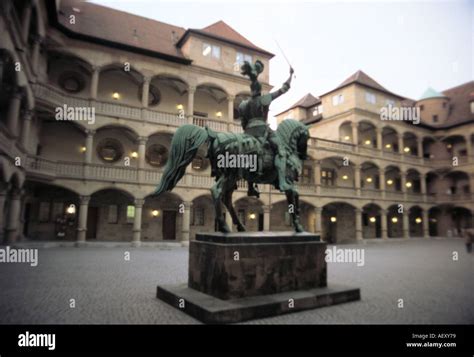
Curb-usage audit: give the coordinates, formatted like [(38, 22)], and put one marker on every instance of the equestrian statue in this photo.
[(279, 153)]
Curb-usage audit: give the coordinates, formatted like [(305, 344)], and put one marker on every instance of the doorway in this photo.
[(92, 219), (169, 225)]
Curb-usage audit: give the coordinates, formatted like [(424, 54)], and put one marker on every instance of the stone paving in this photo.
[(108, 289)]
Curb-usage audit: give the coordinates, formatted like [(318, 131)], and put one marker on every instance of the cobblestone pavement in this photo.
[(108, 289)]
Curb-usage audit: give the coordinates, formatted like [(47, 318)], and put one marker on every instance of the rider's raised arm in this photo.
[(284, 88)]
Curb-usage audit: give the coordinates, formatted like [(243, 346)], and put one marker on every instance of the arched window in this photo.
[(110, 150), (157, 155)]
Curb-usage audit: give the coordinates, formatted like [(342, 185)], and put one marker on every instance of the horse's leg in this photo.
[(230, 208), (292, 198), (216, 192)]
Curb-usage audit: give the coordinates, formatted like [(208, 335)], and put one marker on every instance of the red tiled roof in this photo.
[(307, 101), (118, 27), (459, 102)]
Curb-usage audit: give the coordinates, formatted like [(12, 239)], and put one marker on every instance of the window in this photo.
[(370, 97), (198, 216), (157, 155), (390, 102), (435, 118), (306, 175), (112, 214), (110, 150), (422, 107), (211, 50), (337, 99), (240, 58), (444, 104), (327, 177), (130, 213)]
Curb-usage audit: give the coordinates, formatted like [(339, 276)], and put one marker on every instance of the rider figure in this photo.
[(254, 112)]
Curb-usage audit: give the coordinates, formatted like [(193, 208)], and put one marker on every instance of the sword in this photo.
[(286, 58)]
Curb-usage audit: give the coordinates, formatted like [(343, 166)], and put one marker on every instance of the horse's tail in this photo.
[(184, 146)]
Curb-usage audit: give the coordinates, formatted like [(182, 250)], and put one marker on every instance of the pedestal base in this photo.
[(209, 309)]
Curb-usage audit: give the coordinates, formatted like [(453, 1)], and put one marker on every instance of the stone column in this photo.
[(36, 52), (145, 91), (13, 112), (426, 224), (89, 146), (190, 108), (82, 224), (317, 176), (379, 139), (186, 221), (137, 222), (266, 218), (470, 157), (357, 179), (13, 220), (358, 224), (25, 21), (3, 198), (403, 176), (406, 224), (355, 133), (318, 220), (94, 82), (141, 151), (382, 182), (383, 223), (423, 186), (400, 143), (419, 143), (26, 125)]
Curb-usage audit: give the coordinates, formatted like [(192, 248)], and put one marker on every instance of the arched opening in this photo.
[(394, 222), (428, 145), (50, 212), (167, 93), (115, 145), (410, 146), (61, 141), (110, 216), (338, 222), (345, 132), (434, 214), (162, 218), (369, 176), (371, 221), (367, 134), (120, 84), (415, 221), (337, 172), (454, 146), (210, 102), (250, 212), (389, 139), (393, 181), (413, 183)]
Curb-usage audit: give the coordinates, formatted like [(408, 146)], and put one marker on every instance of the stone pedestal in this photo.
[(240, 276)]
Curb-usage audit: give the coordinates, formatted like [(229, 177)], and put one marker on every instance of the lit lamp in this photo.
[(134, 154), (367, 142), (345, 177), (71, 209), (83, 149), (116, 95), (406, 149), (389, 182), (219, 114), (372, 219), (347, 137), (449, 146), (394, 219), (252, 215), (179, 107), (388, 146), (333, 219), (368, 179), (408, 184), (155, 213), (418, 220)]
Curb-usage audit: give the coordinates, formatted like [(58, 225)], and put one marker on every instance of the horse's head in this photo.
[(294, 135)]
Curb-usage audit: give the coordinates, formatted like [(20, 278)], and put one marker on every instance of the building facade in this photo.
[(90, 99)]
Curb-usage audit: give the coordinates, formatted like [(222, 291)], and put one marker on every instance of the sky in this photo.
[(405, 46)]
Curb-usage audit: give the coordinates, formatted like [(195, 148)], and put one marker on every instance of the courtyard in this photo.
[(415, 281)]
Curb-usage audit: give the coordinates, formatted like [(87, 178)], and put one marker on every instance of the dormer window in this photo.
[(370, 97), (209, 50), (240, 58)]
